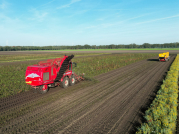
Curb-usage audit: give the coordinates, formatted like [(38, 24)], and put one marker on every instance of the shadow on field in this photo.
[(141, 112), (152, 60)]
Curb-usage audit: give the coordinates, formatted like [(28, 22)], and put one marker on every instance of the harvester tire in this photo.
[(72, 80), (41, 91), (65, 82)]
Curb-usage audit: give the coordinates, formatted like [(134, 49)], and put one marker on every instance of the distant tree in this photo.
[(146, 45), (1, 48), (130, 45), (86, 46), (93, 47), (134, 45), (177, 43), (112, 46)]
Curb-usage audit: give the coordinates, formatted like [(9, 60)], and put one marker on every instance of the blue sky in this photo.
[(93, 22)]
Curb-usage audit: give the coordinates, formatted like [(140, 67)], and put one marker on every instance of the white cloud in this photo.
[(3, 17), (159, 19), (73, 1), (100, 19), (106, 25), (64, 6), (7, 21), (41, 6), (135, 17), (47, 3), (89, 27), (38, 15), (78, 13), (68, 5), (3, 5)]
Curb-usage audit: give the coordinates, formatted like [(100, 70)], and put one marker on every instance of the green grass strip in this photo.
[(161, 117)]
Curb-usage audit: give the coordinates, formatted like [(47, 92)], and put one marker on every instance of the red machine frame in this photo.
[(45, 74)]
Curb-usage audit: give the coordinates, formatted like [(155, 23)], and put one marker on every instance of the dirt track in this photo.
[(114, 105)]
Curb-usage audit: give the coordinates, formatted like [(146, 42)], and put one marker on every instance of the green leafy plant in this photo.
[(162, 115)]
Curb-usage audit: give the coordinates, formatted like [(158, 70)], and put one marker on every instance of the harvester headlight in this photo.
[(28, 82)]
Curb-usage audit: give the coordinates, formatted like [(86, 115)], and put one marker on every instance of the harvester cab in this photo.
[(164, 56), (51, 73)]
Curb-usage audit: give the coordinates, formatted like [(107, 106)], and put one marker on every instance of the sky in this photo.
[(92, 22)]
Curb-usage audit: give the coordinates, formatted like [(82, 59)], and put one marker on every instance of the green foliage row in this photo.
[(162, 115), (86, 46), (12, 77)]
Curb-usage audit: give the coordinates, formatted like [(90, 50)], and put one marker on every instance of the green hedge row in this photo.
[(162, 115)]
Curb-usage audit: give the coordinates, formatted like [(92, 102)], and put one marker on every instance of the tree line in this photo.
[(86, 46)]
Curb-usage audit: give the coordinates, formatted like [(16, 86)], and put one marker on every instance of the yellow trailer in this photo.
[(164, 56)]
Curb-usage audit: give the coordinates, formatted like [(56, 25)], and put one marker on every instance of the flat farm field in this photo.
[(113, 98)]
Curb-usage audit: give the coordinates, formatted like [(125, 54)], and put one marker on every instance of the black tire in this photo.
[(41, 91), (72, 80), (65, 82)]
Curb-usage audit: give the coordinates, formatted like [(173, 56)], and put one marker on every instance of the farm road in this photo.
[(114, 105)]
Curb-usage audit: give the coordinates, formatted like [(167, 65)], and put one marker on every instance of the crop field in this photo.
[(25, 57), (117, 90), (13, 81)]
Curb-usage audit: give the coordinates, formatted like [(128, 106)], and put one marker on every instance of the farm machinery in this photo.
[(51, 73), (164, 56)]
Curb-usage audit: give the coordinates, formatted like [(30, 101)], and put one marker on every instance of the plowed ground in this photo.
[(114, 105)]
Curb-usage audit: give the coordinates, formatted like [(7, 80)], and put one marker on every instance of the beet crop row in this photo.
[(161, 117)]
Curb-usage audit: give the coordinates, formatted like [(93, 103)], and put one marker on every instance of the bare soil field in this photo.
[(115, 104)]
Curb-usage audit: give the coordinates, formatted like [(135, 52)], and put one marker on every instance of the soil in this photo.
[(114, 105)]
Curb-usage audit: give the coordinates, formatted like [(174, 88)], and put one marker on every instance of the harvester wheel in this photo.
[(43, 89), (72, 80), (65, 82)]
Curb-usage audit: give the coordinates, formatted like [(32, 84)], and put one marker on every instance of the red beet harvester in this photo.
[(51, 73)]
